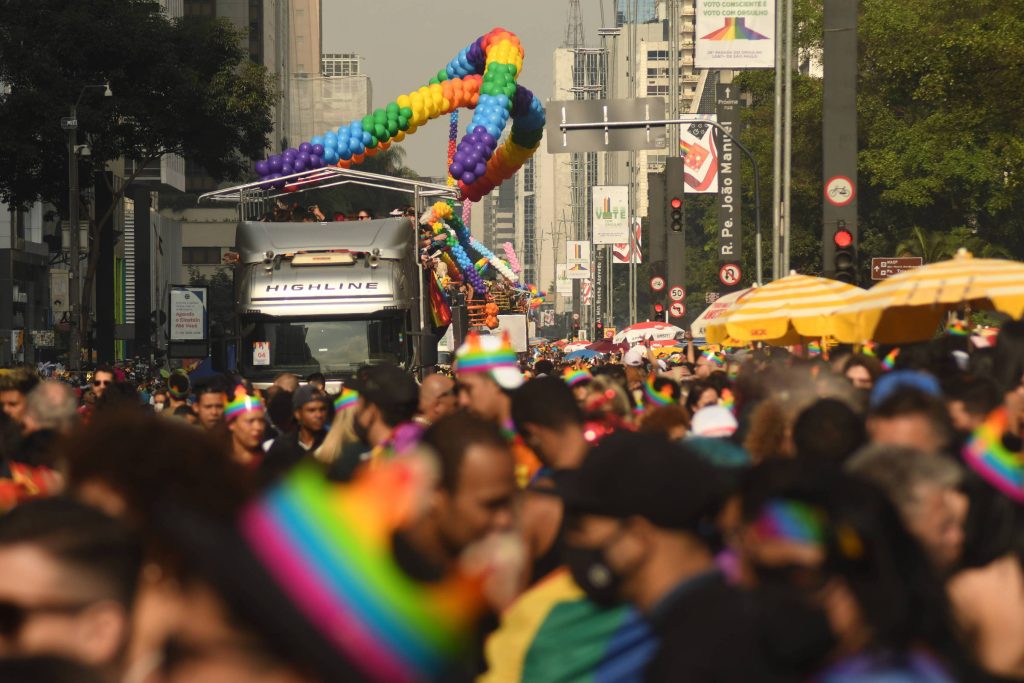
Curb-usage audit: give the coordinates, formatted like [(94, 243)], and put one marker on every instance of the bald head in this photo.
[(51, 405), (437, 397), (287, 381)]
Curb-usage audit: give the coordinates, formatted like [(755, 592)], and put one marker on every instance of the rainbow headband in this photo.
[(814, 349), (655, 397), (242, 403), (990, 458), (346, 399), (574, 376), (715, 359), (473, 357), (889, 362), (328, 547), (957, 328), (728, 400), (784, 519)]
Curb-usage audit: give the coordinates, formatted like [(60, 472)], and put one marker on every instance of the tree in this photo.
[(182, 86)]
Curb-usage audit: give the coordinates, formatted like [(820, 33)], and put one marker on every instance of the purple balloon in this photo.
[(262, 168), (318, 150), (316, 161), (306, 147), (480, 169), (287, 168), (275, 162), (468, 177), (278, 183), (456, 169), (301, 164), (304, 157), (291, 151)]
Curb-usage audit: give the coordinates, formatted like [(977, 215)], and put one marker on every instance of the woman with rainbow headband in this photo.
[(342, 449), (244, 416)]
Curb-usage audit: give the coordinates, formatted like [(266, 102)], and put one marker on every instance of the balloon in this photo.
[(262, 168), (318, 149), (301, 164), (305, 148), (287, 168)]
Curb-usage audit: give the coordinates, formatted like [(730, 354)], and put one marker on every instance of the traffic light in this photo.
[(844, 259), (675, 213), (598, 330), (659, 311)]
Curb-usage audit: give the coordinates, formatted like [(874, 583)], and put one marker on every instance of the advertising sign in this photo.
[(188, 313), (700, 154), (735, 34), (611, 214), (577, 260), (563, 285), (629, 252)]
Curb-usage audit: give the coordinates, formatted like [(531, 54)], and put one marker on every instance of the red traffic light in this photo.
[(843, 238), (659, 308), (676, 202)]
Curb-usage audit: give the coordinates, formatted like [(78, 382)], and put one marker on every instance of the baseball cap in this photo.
[(634, 357), (891, 382), (388, 387), (633, 473), (306, 394), (714, 421), (492, 354)]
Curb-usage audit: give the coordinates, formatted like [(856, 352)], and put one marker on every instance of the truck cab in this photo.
[(326, 297)]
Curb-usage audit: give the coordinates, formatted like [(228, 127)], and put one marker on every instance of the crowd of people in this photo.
[(283, 212), (838, 514)]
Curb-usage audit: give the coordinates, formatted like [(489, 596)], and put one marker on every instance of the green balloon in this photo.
[(392, 127), (367, 123), (403, 123), (379, 116), (406, 112), (373, 141), (379, 129), (433, 81), (442, 75), (392, 108)]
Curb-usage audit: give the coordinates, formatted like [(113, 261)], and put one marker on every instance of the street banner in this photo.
[(188, 313), (611, 214), (577, 259), (730, 225), (735, 34), (621, 252), (563, 285), (700, 154)]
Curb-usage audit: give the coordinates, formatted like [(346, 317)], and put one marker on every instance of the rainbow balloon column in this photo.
[(461, 243), (483, 77)]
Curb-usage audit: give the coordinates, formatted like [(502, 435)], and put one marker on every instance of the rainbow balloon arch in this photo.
[(483, 77)]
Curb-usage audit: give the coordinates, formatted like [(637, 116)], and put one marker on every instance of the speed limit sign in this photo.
[(677, 293), (729, 274)]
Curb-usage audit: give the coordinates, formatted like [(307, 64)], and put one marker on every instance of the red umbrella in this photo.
[(607, 346)]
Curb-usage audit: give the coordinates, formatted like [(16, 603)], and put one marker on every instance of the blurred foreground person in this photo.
[(68, 576), (639, 516), (46, 669), (14, 389), (844, 593)]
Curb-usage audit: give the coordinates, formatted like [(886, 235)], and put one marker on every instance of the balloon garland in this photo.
[(483, 76), (510, 256)]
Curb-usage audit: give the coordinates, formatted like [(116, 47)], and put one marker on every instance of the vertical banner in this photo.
[(563, 285), (621, 253), (599, 281), (188, 313), (588, 292), (730, 227), (577, 259), (697, 143), (611, 213), (735, 34)]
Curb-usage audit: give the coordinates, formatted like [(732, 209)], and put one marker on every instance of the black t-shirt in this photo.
[(705, 628)]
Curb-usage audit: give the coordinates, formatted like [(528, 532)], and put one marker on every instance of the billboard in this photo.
[(577, 260), (563, 285), (611, 214), (735, 34), (699, 149), (188, 313)]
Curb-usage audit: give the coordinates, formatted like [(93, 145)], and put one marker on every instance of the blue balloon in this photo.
[(345, 154), (331, 156), (316, 140)]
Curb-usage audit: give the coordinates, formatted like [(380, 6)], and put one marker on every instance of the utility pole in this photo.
[(74, 293)]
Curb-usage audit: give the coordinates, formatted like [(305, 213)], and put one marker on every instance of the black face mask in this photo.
[(794, 632), (593, 574)]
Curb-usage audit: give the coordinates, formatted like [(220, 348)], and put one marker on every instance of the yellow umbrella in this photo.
[(910, 306), (785, 311)]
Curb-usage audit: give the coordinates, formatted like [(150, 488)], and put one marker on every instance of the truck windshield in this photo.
[(333, 347)]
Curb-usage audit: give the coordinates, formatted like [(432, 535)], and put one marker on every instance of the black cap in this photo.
[(630, 473), (390, 388), (307, 393)]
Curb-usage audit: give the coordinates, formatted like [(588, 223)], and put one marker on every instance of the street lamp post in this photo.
[(717, 126), (71, 124)]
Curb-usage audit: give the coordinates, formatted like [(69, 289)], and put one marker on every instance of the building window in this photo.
[(653, 90), (528, 176), (200, 256), (657, 55)]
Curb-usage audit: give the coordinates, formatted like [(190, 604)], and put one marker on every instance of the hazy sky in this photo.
[(404, 42)]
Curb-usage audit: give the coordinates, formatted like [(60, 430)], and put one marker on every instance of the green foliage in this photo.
[(221, 304), (349, 199), (183, 86)]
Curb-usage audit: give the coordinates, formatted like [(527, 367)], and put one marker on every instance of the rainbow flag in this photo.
[(986, 454), (791, 520), (554, 634)]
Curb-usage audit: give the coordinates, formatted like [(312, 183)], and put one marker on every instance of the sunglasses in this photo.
[(13, 616), (363, 217), (101, 382)]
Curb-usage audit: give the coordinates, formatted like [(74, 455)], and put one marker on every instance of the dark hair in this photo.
[(22, 380), (451, 436), (119, 396), (178, 383), (544, 366), (859, 360), (1009, 356), (95, 548), (183, 410), (545, 401), (616, 373), (150, 461), (907, 401), (317, 377), (980, 395), (103, 367), (828, 429), (214, 385), (282, 416), (46, 669), (697, 389)]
